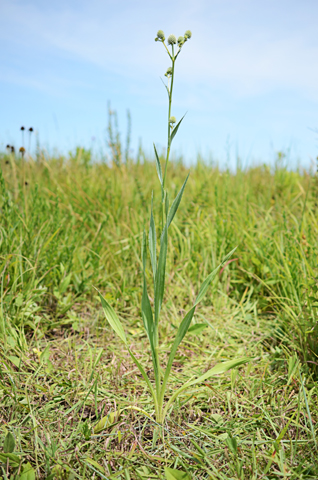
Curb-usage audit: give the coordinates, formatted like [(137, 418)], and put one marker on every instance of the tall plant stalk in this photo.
[(151, 315)]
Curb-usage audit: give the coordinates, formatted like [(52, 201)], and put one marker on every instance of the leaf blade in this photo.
[(145, 377), (112, 318), (181, 332), (218, 369), (176, 128), (176, 202), (160, 274), (152, 241), (208, 280)]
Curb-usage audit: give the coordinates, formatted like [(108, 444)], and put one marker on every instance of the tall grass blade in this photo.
[(208, 280), (218, 369), (308, 410)]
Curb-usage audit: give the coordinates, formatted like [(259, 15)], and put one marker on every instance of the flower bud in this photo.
[(180, 41), (188, 34), (168, 72), (161, 35), (172, 120), (172, 40)]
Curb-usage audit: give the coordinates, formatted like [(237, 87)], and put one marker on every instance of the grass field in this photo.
[(67, 384)]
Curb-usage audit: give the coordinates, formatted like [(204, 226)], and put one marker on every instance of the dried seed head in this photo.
[(12, 149), (172, 120), (172, 40), (22, 150), (8, 146), (188, 34), (161, 35), (30, 129), (22, 128), (180, 41)]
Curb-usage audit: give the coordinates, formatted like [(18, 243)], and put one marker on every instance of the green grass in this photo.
[(68, 225)]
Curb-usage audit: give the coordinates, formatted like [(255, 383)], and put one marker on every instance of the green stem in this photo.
[(169, 115), (173, 59)]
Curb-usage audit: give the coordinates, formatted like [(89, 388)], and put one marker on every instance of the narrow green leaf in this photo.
[(93, 462), (147, 317), (208, 280), (158, 164), (112, 318), (146, 311), (176, 203), (159, 171), (219, 368), (152, 241), (174, 131), (160, 274), (168, 92), (182, 330), (9, 443), (144, 251), (167, 204), (146, 378), (173, 474)]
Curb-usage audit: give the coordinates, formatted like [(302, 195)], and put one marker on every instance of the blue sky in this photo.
[(248, 78)]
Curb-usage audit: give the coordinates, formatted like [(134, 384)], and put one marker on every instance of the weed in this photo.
[(151, 316)]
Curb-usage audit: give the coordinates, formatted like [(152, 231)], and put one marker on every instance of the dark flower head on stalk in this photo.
[(22, 151), (22, 128), (8, 146), (30, 129), (12, 149)]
